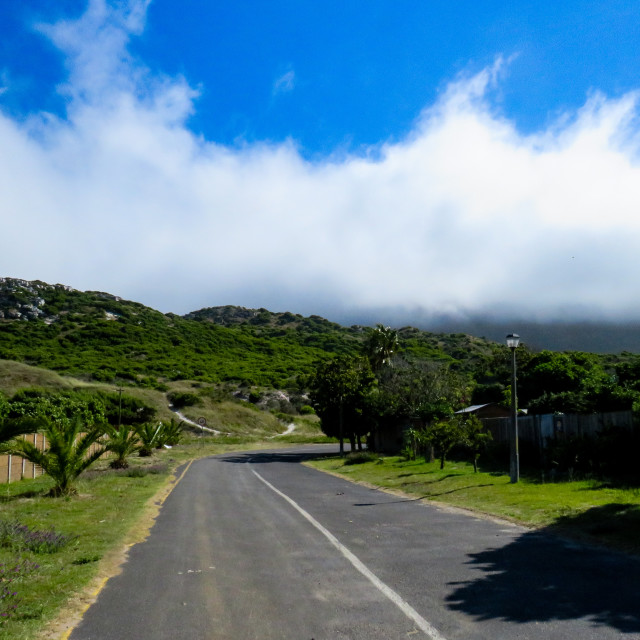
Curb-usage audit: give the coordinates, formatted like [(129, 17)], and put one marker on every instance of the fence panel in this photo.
[(538, 429), (14, 468)]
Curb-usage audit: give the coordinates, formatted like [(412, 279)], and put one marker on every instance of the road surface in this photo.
[(257, 546)]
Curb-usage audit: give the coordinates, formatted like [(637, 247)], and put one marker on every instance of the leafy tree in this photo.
[(339, 394), (68, 453), (62, 407), (475, 436), (12, 428), (443, 435), (417, 395), (121, 408)]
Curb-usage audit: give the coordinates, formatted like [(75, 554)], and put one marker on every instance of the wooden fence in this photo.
[(538, 430), (14, 468)]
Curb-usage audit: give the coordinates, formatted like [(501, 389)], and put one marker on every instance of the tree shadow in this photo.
[(23, 495), (471, 486), (269, 457), (540, 577)]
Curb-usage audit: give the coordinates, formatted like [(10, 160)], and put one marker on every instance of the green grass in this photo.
[(588, 510), (100, 517)]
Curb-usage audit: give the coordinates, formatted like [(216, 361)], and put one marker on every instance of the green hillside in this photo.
[(98, 336)]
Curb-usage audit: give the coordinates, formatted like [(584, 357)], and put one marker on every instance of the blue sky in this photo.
[(340, 158)]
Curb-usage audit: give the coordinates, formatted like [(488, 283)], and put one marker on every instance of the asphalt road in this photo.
[(258, 546)]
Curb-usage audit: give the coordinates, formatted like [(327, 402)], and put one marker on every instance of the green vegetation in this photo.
[(122, 442), (51, 549), (99, 337), (94, 524), (70, 451), (589, 510), (70, 359)]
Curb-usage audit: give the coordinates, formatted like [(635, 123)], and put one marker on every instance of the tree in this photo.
[(416, 395), (380, 346), (62, 407), (170, 434), (120, 408), (443, 435), (10, 429), (475, 437), (149, 436), (339, 392), (122, 441), (68, 454)]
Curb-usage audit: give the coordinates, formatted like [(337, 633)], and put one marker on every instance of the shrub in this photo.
[(359, 457), (170, 434), (140, 472), (19, 537), (149, 435), (306, 410), (180, 399)]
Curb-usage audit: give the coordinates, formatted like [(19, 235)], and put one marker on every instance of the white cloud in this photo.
[(465, 214), (285, 83)]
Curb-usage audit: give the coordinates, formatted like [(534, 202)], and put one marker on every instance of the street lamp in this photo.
[(513, 340)]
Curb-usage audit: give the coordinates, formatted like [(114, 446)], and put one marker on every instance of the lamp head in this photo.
[(513, 340)]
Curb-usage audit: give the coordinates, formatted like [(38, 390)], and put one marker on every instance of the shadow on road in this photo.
[(540, 578), (269, 457)]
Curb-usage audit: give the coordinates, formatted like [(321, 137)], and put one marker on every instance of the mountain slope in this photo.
[(103, 337)]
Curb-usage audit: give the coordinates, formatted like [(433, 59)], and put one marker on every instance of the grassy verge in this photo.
[(96, 521), (588, 510)]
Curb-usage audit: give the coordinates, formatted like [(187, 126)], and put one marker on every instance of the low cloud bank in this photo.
[(464, 216)]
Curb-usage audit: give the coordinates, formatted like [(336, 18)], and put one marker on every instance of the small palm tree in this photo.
[(68, 454), (149, 436), (170, 434), (122, 441)]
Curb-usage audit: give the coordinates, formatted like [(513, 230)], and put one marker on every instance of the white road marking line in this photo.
[(404, 606)]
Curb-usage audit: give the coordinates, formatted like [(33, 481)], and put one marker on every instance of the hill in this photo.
[(101, 337)]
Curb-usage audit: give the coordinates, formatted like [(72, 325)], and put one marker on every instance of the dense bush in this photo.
[(359, 457), (180, 399), (611, 454)]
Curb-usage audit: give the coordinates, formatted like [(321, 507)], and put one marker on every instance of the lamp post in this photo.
[(513, 340)]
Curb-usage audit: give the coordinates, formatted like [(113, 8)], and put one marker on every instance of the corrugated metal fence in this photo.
[(538, 429)]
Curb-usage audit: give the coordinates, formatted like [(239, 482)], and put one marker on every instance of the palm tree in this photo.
[(170, 434), (122, 441), (68, 453), (149, 436), (14, 427), (381, 345)]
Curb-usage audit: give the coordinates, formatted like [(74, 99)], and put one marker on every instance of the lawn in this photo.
[(589, 510)]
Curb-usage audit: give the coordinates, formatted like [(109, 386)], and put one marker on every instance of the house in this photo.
[(482, 411)]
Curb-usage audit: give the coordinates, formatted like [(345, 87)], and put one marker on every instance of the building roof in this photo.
[(475, 407)]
